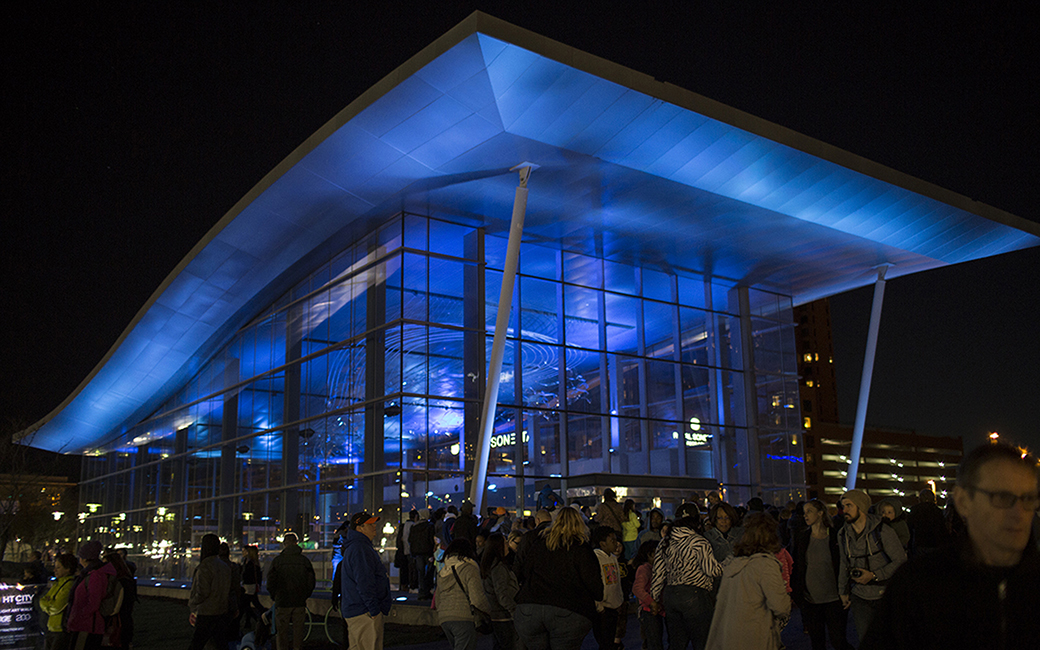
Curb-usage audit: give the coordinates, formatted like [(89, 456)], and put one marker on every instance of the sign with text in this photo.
[(19, 621)]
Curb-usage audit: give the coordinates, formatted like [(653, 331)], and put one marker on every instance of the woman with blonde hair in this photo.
[(559, 586)]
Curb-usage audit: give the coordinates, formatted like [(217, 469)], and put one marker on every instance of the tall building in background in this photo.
[(893, 462), (325, 347)]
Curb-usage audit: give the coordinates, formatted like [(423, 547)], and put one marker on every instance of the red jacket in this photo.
[(86, 601)]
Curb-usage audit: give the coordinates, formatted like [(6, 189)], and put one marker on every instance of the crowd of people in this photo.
[(713, 575)]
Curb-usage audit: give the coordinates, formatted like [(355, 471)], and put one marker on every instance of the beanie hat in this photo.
[(500, 511), (90, 551), (859, 498)]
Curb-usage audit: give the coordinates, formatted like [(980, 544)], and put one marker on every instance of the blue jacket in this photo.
[(365, 584)]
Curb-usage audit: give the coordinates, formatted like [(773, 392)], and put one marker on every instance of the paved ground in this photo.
[(162, 623)]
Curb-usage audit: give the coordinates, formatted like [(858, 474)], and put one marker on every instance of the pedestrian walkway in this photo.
[(162, 623)]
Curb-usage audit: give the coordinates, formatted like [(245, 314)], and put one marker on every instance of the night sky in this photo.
[(132, 129)]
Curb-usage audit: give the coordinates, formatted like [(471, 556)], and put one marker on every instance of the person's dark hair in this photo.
[(722, 506), (759, 535), (494, 551), (688, 509), (609, 495), (600, 534), (452, 509), (926, 495), (225, 551), (117, 562), (646, 549), (656, 517), (692, 522), (289, 539), (460, 547), (756, 504), (825, 515), (439, 514), (36, 555), (971, 465), (630, 506), (413, 515), (69, 561), (210, 545)]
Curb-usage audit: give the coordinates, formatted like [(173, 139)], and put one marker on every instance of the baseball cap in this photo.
[(362, 518)]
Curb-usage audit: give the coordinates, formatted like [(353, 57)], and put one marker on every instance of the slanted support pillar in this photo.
[(864, 384), (498, 345)]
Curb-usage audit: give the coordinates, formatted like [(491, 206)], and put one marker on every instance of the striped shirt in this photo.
[(684, 558)]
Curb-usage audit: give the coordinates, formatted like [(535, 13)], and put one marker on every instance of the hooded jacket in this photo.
[(453, 603), (87, 594), (877, 549), (722, 543), (365, 584), (291, 578), (751, 596)]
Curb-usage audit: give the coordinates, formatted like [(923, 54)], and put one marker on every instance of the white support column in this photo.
[(864, 384), (498, 345)]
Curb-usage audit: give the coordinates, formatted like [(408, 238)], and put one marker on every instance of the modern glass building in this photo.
[(325, 347)]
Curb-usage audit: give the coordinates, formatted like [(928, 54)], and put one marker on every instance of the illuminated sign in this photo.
[(506, 439), (17, 629)]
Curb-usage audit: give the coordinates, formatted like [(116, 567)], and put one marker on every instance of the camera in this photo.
[(855, 573)]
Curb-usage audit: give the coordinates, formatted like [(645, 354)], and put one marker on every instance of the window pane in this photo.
[(584, 381), (581, 307), (583, 270), (446, 291), (660, 387), (539, 310), (541, 375), (622, 314), (658, 329)]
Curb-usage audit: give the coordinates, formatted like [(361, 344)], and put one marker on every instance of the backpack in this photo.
[(113, 600)]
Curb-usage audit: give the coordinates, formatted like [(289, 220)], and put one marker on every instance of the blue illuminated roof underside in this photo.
[(660, 175)]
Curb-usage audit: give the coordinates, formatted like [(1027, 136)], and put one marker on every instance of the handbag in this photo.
[(480, 619)]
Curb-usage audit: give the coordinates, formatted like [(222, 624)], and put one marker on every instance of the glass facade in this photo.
[(362, 387)]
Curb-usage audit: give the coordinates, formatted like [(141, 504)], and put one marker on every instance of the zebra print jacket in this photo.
[(684, 558)]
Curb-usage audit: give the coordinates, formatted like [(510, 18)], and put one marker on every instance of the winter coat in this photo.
[(722, 545), (365, 585), (420, 539), (291, 578), (54, 602), (949, 599), (87, 594), (927, 526), (567, 578), (877, 549), (641, 586), (210, 587), (609, 513), (453, 603), (751, 597), (501, 587), (684, 558), (465, 527)]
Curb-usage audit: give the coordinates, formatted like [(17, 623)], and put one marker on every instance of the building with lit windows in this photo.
[(893, 462), (325, 347)]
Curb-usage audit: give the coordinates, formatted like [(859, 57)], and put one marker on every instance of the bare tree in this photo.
[(25, 473)]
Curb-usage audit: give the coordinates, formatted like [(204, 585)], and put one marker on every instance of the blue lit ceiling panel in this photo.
[(653, 173)]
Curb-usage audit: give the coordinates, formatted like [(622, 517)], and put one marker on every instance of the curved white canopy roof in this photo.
[(637, 169)]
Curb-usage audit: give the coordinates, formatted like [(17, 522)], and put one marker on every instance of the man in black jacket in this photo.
[(982, 591), (466, 524), (421, 543), (927, 524), (290, 582)]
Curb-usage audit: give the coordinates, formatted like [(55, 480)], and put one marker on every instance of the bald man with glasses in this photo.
[(982, 591)]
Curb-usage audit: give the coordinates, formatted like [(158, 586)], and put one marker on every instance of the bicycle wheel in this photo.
[(334, 627), (308, 622)]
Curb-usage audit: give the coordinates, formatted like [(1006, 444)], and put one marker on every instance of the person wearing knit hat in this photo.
[(860, 498), (869, 553), (90, 551)]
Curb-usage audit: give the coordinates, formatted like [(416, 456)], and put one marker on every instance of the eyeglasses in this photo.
[(1004, 500)]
